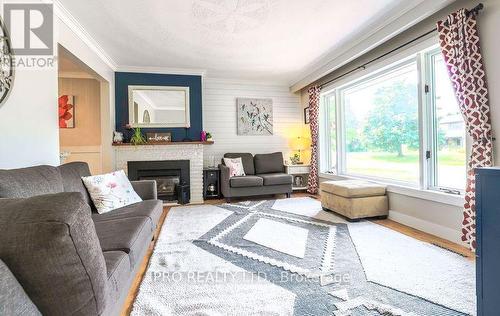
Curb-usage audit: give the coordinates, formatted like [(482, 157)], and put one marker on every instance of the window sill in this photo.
[(434, 196)]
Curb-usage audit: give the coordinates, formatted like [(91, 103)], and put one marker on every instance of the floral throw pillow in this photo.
[(110, 191), (235, 166)]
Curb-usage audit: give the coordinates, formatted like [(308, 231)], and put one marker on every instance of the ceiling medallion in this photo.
[(233, 16), (6, 64)]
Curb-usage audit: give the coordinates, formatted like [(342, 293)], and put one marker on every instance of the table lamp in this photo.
[(300, 144)]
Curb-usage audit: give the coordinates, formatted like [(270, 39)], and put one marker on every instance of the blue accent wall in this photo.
[(125, 79)]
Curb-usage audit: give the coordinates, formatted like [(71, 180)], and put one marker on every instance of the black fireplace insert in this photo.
[(170, 176)]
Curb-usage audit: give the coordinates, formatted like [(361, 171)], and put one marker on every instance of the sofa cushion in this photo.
[(28, 182), (276, 178), (50, 244), (353, 188), (130, 235), (13, 298), (235, 166), (111, 191), (151, 209), (246, 181), (247, 160), (72, 174), (268, 163), (119, 271)]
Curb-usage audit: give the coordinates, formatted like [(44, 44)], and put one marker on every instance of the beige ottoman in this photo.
[(354, 199)]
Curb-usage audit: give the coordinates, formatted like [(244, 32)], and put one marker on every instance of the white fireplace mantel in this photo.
[(187, 151)]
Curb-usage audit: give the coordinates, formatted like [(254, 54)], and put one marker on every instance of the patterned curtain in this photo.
[(459, 41), (313, 181)]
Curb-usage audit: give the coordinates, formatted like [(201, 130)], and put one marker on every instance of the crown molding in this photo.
[(391, 27), (162, 70), (73, 24), (254, 82), (62, 13)]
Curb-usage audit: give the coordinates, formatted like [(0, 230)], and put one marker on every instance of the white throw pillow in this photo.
[(235, 166), (110, 191)]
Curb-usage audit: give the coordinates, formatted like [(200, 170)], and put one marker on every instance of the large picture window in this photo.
[(399, 124), (381, 125)]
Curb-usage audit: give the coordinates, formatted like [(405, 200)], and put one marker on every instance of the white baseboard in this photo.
[(426, 226)]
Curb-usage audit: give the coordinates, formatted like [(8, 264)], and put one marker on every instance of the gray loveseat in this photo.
[(264, 174), (57, 255)]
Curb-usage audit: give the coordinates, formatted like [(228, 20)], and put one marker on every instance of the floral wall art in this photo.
[(255, 116), (67, 111)]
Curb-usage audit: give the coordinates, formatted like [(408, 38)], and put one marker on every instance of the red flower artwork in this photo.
[(66, 112)]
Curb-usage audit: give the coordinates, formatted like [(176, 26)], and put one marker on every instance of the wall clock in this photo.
[(6, 64)]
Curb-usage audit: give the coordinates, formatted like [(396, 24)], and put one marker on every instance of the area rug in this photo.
[(289, 257)]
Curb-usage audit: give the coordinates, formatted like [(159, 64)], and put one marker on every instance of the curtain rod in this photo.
[(474, 11)]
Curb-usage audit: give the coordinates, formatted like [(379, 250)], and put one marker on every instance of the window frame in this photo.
[(431, 164), (325, 142), (372, 76), (421, 55)]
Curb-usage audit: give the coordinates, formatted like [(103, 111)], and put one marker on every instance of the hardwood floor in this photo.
[(134, 288), (420, 235), (443, 243)]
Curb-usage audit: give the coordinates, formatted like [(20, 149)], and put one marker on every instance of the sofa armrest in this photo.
[(13, 298), (146, 189), (224, 180), (50, 245)]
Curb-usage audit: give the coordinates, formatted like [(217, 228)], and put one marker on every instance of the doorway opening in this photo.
[(83, 109)]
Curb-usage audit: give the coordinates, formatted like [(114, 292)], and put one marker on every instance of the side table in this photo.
[(300, 175), (211, 183)]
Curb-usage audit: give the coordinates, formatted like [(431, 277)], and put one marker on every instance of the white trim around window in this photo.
[(430, 195), (426, 187)]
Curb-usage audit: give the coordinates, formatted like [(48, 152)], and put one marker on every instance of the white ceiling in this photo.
[(271, 40)]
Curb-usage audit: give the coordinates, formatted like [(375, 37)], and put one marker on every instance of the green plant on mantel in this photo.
[(137, 138)]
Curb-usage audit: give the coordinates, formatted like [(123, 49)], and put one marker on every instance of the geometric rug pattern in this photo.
[(314, 260)]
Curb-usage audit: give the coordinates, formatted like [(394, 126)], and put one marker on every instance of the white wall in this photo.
[(489, 25), (29, 119), (219, 117)]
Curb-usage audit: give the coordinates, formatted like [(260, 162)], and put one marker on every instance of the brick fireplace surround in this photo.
[(182, 151)]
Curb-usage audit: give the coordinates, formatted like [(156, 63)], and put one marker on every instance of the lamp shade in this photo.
[(301, 143)]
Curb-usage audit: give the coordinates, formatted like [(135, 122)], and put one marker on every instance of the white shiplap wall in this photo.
[(219, 117)]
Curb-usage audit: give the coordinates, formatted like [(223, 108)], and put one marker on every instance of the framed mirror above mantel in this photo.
[(159, 106), (184, 106)]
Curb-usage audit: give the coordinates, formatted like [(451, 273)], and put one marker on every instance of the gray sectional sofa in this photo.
[(57, 255), (264, 174)]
